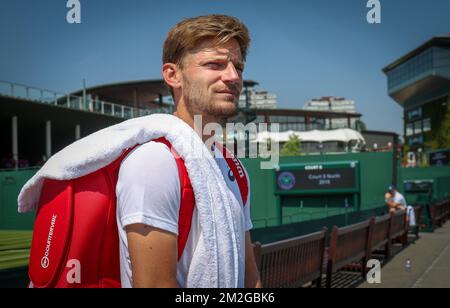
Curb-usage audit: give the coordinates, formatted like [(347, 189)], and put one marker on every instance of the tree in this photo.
[(292, 146), (443, 134), (441, 138), (360, 126)]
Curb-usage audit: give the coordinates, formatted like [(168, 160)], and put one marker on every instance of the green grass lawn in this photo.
[(14, 248)]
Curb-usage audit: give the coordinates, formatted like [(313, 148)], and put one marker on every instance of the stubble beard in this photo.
[(199, 102)]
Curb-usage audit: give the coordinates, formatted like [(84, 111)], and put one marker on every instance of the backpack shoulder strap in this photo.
[(238, 171), (187, 199)]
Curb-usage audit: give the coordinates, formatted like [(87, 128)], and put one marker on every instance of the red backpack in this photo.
[(75, 239)]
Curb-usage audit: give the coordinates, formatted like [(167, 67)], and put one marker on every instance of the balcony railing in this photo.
[(15, 90), (302, 127)]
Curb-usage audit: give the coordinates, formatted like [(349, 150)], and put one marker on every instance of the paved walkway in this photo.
[(430, 259)]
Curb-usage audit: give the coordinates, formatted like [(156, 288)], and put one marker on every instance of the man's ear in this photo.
[(172, 75)]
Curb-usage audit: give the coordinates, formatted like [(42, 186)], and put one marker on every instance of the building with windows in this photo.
[(36, 123), (336, 104), (306, 120), (298, 121), (257, 99), (420, 82)]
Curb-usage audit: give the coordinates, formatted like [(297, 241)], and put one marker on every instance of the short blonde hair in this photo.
[(184, 36)]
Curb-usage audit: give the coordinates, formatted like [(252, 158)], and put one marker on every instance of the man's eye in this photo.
[(214, 64)]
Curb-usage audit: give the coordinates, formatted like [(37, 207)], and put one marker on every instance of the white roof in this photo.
[(342, 135)]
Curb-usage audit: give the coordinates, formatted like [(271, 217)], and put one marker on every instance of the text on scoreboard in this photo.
[(318, 177)]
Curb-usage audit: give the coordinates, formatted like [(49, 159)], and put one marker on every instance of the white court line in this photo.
[(13, 258), (419, 281)]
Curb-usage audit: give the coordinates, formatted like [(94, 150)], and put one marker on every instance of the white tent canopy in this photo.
[(341, 135)]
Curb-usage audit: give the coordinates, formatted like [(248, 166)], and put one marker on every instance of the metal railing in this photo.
[(34, 168), (49, 97), (308, 214), (302, 215), (286, 126)]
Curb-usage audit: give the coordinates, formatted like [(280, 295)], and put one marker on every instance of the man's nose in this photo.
[(231, 74)]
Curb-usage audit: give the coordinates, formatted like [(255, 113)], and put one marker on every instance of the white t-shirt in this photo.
[(148, 192), (398, 198)]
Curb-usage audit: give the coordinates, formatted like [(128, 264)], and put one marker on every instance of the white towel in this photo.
[(412, 216), (218, 257)]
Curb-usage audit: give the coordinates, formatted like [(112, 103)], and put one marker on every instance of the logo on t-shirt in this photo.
[(231, 176)]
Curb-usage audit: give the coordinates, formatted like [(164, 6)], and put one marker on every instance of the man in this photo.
[(203, 62), (395, 200)]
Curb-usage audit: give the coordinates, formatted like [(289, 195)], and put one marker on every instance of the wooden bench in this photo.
[(399, 227), (380, 235), (291, 263), (418, 216), (446, 210), (294, 262), (348, 245), (438, 213)]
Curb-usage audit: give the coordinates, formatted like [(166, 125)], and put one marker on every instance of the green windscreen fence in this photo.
[(425, 186), (363, 181), (11, 183), (375, 174), (439, 177), (286, 231)]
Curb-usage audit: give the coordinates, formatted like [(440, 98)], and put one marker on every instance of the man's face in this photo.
[(212, 79)]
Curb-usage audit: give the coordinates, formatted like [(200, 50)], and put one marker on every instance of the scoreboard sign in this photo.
[(440, 158), (318, 178), (418, 186)]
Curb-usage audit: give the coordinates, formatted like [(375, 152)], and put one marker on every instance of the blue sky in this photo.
[(300, 50)]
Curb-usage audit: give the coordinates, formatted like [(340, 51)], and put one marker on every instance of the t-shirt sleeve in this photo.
[(402, 200), (148, 188)]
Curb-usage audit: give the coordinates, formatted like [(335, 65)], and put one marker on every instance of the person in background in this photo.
[(395, 201)]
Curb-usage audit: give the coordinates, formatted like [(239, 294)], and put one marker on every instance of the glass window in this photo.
[(260, 119), (417, 127), (299, 127), (294, 119), (426, 125), (414, 114), (412, 70), (409, 129), (283, 119)]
